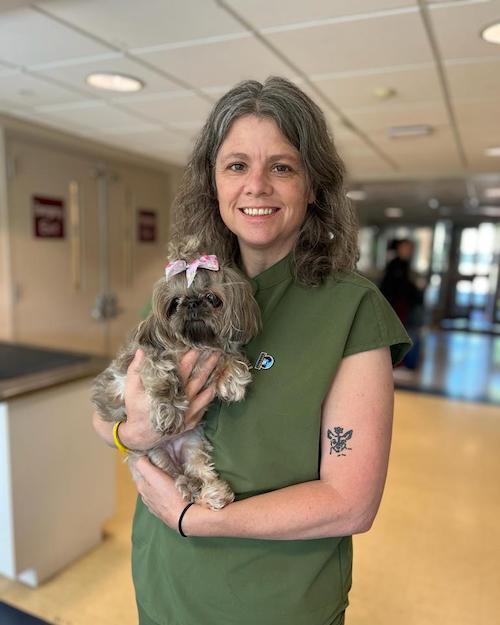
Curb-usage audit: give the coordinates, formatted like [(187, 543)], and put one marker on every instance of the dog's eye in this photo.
[(174, 304), (213, 299)]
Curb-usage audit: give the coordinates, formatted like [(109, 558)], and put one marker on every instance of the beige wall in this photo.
[(48, 307)]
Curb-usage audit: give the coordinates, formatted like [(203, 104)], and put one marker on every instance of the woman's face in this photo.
[(262, 187)]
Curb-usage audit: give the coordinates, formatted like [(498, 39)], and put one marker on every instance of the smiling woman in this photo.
[(306, 451)]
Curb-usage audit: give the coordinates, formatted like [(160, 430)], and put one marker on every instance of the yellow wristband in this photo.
[(119, 445)]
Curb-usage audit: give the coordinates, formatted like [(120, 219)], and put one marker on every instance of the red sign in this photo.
[(146, 226), (48, 217)]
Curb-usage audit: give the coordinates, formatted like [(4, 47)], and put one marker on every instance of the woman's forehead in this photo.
[(250, 133)]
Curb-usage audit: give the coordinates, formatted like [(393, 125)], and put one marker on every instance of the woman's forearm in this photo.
[(303, 511)]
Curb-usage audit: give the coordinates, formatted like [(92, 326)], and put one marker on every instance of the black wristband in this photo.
[(179, 523)]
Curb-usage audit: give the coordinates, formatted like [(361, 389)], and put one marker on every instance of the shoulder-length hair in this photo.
[(327, 241)]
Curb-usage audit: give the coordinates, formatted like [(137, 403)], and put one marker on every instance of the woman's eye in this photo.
[(237, 166), (282, 169)]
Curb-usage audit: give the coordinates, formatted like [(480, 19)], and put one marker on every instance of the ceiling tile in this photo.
[(92, 114), (173, 109), (128, 24), (474, 80), (27, 90), (348, 91), (219, 63), (29, 38), (458, 27), (265, 13), (381, 117), (356, 45)]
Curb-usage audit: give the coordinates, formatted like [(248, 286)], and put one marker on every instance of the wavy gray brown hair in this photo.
[(327, 240)]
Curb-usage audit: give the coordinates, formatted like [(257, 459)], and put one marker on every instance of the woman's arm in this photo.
[(353, 468)]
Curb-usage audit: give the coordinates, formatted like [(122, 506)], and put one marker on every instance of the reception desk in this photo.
[(57, 479)]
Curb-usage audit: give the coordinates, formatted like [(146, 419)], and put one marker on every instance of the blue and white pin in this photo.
[(264, 361)]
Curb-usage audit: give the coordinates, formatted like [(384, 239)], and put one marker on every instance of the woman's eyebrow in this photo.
[(273, 157)]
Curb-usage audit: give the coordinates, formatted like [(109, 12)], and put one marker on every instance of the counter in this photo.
[(57, 478)]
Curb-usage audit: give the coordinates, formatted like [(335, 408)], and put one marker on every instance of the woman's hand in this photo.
[(137, 433), (157, 491)]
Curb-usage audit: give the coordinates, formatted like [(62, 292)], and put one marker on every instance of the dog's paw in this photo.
[(189, 487), (215, 494), (231, 386)]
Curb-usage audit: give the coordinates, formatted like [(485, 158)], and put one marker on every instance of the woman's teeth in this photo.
[(259, 211)]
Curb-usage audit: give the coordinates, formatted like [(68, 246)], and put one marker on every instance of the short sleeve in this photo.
[(375, 325)]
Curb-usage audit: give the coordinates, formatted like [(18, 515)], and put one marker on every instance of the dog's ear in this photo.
[(145, 333)]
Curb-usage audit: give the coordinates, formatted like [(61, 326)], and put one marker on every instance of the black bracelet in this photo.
[(179, 524)]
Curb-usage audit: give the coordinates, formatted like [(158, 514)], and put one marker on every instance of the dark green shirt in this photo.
[(269, 441)]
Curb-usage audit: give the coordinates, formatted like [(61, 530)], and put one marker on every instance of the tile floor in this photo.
[(432, 557)]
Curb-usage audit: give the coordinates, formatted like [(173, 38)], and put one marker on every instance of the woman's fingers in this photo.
[(134, 382), (197, 407)]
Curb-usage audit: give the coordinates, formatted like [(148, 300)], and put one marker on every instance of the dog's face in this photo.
[(217, 310)]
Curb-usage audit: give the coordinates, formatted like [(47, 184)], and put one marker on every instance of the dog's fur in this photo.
[(217, 313)]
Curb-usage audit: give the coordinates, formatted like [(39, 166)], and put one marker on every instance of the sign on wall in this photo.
[(146, 226), (48, 217)]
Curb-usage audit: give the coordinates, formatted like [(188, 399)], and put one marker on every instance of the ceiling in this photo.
[(188, 52)]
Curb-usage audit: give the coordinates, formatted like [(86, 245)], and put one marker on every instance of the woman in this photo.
[(307, 451)]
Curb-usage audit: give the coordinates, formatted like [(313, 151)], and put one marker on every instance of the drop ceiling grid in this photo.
[(28, 38), (28, 91), (409, 85), (177, 110), (458, 30), (219, 63), (346, 46), (269, 13), (158, 22)]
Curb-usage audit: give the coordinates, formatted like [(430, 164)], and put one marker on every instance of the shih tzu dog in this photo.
[(201, 305)]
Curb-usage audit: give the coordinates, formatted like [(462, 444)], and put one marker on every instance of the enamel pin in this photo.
[(264, 361)]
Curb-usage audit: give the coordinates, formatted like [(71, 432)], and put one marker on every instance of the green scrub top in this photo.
[(268, 441)]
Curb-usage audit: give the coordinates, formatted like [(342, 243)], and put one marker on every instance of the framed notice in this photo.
[(147, 225), (48, 217)]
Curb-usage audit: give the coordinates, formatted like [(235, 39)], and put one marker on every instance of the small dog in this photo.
[(201, 305)]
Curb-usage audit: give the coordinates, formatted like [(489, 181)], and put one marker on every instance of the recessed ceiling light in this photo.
[(393, 212), (491, 34), (492, 193), (114, 82), (433, 203), (416, 130), (494, 151), (357, 195)]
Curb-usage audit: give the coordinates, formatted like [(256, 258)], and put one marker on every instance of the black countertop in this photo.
[(25, 368)]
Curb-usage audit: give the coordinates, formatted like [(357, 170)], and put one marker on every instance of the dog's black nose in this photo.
[(193, 304)]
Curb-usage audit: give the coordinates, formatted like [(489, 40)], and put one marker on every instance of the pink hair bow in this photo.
[(203, 262)]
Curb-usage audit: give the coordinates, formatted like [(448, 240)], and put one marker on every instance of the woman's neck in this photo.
[(255, 262)]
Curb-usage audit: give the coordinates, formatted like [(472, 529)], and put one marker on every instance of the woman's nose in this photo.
[(258, 183)]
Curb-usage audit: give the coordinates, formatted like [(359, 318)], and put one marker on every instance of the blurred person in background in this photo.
[(400, 289)]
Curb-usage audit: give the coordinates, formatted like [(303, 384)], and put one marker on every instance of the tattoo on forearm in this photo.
[(338, 441)]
